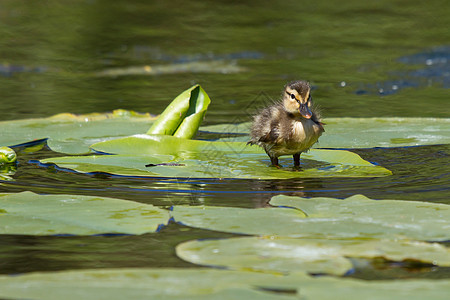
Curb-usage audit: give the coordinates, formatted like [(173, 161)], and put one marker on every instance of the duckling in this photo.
[(290, 126)]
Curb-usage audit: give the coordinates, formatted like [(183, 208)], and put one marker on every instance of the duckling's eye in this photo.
[(292, 96)]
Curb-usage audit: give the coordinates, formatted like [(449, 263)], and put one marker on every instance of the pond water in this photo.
[(379, 59)]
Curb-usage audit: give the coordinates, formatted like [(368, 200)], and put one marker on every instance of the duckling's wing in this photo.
[(265, 127), (271, 136), (264, 136)]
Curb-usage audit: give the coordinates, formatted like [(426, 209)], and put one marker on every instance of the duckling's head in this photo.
[(297, 98)]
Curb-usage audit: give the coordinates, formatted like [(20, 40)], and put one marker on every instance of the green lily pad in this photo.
[(354, 217), (264, 255), (272, 254), (202, 159), (124, 165), (344, 289), (29, 213), (73, 134), (209, 284), (146, 284), (365, 132), (183, 115)]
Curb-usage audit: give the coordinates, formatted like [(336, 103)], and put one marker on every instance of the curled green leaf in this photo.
[(183, 116)]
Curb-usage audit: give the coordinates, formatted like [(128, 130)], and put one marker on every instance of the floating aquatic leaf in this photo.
[(29, 213), (183, 115), (124, 165), (354, 217), (264, 255), (344, 289), (73, 134), (209, 284), (272, 254), (202, 159), (147, 284), (365, 132)]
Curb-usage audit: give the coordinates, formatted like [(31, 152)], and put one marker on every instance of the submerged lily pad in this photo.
[(214, 66), (209, 284), (271, 254), (354, 217), (73, 134), (202, 159), (365, 132), (29, 213)]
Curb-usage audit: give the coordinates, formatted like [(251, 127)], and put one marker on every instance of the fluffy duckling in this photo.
[(290, 126)]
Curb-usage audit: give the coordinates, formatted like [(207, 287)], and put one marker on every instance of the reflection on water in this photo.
[(363, 59)]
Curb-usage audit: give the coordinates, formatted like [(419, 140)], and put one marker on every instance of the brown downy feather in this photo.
[(280, 131)]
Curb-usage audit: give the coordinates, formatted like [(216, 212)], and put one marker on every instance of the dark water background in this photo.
[(364, 59)]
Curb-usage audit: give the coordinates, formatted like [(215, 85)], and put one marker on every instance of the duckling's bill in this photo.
[(305, 111)]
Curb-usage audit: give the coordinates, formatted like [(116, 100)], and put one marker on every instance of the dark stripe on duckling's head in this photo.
[(300, 89)]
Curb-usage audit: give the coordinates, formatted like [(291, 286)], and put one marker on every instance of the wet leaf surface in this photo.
[(202, 159), (315, 256), (32, 214), (354, 217)]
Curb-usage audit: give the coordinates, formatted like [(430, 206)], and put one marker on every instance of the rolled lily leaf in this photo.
[(183, 116), (7, 155)]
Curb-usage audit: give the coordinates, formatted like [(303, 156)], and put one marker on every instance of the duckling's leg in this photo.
[(274, 161), (297, 159)]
